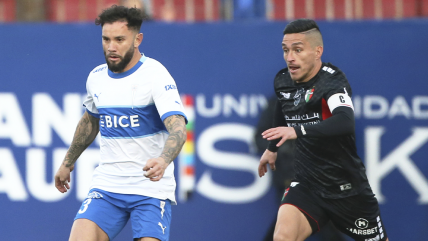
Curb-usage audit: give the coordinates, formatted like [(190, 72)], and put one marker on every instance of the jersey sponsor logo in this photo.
[(163, 228), (309, 94), (310, 116), (306, 123), (170, 87), (361, 223), (345, 187), (122, 121), (99, 69), (328, 69), (293, 184), (285, 95), (94, 194)]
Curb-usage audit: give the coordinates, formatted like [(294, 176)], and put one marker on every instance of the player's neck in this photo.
[(313, 72), (134, 61)]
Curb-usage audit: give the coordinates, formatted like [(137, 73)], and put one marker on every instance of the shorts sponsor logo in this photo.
[(94, 194), (369, 231), (361, 223)]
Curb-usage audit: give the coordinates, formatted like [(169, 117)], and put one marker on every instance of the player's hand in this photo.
[(285, 133), (62, 178), (155, 168), (267, 157)]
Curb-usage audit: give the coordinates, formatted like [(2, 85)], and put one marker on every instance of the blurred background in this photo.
[(223, 54)]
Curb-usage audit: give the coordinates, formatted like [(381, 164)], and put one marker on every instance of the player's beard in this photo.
[(124, 61)]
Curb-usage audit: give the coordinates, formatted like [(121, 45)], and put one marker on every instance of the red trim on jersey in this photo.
[(325, 110), (303, 212), (345, 105)]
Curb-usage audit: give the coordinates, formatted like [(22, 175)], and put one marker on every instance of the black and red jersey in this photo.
[(325, 161)]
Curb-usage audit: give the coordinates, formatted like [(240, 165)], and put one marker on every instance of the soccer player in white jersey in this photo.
[(134, 102)]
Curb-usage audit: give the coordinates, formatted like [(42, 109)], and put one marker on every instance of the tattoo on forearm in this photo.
[(176, 127), (85, 134)]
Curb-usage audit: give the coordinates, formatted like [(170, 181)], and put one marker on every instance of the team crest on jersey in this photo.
[(309, 94), (298, 96)]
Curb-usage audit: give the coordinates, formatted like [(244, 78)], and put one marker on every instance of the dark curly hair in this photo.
[(133, 16)]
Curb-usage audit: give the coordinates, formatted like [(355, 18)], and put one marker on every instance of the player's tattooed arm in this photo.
[(86, 132), (176, 126)]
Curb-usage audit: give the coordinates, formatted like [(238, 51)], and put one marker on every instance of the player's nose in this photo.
[(111, 47), (290, 57)]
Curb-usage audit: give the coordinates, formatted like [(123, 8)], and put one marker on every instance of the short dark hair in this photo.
[(134, 16), (301, 25)]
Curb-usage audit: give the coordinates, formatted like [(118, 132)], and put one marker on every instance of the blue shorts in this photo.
[(150, 217)]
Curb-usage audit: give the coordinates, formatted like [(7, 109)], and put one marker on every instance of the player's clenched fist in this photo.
[(62, 178), (155, 168)]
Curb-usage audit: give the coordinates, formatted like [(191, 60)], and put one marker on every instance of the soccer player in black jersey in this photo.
[(314, 107)]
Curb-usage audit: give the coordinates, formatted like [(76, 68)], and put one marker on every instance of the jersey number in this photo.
[(85, 206), (341, 99)]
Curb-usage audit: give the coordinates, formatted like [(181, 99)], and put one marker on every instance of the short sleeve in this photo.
[(89, 104), (166, 96)]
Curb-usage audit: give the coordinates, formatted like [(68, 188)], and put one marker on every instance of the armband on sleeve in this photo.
[(339, 99)]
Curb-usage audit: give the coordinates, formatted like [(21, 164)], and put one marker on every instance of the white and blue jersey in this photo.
[(131, 107)]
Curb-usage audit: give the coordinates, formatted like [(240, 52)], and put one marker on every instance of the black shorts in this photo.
[(356, 216)]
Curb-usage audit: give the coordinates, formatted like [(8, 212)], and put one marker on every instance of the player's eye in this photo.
[(298, 50), (286, 51)]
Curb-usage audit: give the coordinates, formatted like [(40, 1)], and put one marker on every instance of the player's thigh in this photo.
[(86, 230), (291, 225), (151, 218), (104, 212), (358, 217), (307, 203)]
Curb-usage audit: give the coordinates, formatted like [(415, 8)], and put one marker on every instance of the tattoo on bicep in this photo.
[(176, 127), (85, 133)]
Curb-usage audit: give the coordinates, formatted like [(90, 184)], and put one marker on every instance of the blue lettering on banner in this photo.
[(170, 87)]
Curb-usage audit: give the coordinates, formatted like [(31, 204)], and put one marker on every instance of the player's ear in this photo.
[(138, 39), (318, 51)]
